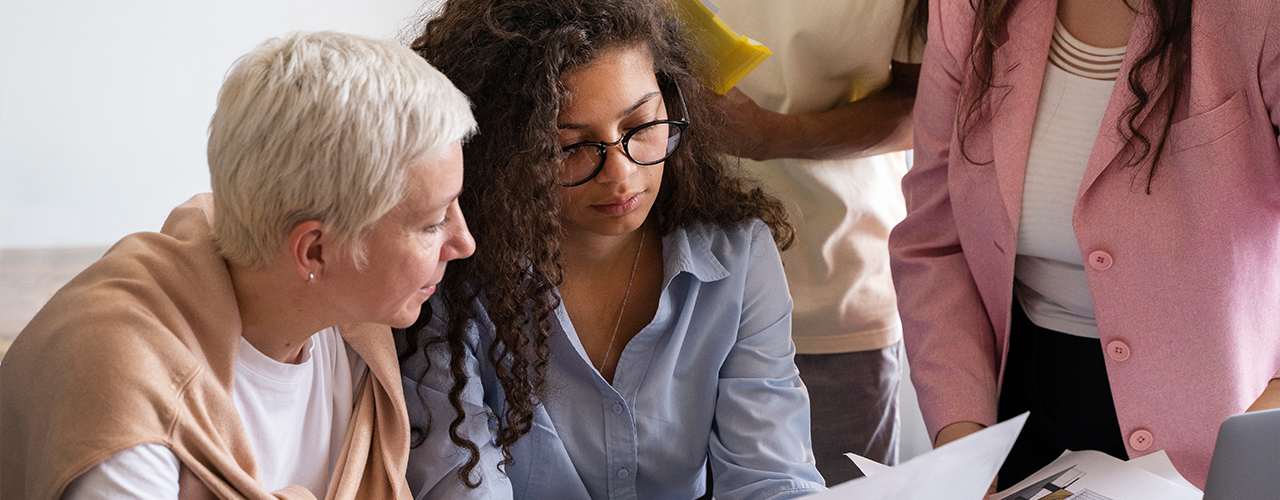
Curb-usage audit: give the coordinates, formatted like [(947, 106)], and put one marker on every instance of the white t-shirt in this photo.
[(295, 415)]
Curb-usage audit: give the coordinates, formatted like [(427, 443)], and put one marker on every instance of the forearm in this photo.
[(956, 431), (879, 123)]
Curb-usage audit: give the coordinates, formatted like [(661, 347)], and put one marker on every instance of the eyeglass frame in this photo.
[(603, 147)]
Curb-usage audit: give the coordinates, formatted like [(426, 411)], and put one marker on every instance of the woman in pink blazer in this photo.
[(1151, 310)]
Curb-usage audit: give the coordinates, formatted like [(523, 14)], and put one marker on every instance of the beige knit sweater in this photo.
[(141, 348)]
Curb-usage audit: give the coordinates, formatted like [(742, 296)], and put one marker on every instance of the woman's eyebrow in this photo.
[(640, 102)]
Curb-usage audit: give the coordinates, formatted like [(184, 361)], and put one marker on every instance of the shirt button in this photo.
[(1118, 350), (1141, 439), (623, 474), (1100, 260), (617, 408)]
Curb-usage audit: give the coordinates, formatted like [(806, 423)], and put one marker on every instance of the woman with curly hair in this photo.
[(625, 321)]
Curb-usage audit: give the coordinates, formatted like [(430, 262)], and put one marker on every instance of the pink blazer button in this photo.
[(1118, 350), (1100, 260), (1141, 439)]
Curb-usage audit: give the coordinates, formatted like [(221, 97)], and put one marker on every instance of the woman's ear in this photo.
[(306, 249)]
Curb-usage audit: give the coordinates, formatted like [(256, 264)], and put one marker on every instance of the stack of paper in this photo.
[(964, 470), (1093, 475)]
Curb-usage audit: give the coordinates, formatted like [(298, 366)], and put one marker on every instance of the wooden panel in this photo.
[(29, 277)]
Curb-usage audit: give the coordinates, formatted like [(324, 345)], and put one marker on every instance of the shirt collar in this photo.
[(689, 250)]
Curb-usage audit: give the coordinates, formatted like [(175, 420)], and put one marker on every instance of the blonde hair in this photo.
[(322, 126)]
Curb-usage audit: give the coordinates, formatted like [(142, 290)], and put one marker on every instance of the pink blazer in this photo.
[(1185, 281)]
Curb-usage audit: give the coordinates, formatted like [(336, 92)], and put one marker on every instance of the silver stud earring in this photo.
[(310, 276)]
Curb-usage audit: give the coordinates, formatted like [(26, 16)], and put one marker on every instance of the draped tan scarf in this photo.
[(141, 348)]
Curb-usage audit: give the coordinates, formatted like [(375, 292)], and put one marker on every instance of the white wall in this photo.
[(105, 106)]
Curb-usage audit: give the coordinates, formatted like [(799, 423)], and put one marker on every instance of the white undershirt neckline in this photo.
[(295, 416), (298, 408), (1051, 283)]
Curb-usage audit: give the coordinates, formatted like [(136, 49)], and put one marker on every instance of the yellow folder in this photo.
[(731, 55)]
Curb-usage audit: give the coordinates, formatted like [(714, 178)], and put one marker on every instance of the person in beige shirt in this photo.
[(824, 122)]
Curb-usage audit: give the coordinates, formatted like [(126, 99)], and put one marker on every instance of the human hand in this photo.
[(751, 130), (1269, 399), (956, 431)]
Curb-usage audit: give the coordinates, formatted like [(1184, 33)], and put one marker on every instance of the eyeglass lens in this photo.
[(645, 145)]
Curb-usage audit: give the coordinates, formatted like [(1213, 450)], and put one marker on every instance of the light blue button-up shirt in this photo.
[(710, 380)]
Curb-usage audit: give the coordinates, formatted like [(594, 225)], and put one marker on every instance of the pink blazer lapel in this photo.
[(1017, 73), (1110, 141)]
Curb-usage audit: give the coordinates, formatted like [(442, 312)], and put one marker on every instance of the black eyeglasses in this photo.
[(649, 144)]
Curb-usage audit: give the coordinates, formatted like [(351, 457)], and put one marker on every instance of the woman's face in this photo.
[(606, 99), (409, 246)]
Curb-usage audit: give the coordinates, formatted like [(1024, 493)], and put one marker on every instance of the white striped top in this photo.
[(1049, 273), (1081, 59)]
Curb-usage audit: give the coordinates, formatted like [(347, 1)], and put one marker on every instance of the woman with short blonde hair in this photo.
[(243, 350)]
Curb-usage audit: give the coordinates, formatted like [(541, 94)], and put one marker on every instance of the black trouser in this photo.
[(1062, 380)]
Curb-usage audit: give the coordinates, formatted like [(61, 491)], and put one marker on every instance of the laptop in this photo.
[(1246, 460)]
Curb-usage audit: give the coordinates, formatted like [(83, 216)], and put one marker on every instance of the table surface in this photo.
[(29, 277)]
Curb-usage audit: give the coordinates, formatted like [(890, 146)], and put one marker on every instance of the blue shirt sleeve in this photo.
[(435, 464), (760, 447)]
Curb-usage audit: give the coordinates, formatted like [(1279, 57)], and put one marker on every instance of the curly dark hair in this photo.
[(1166, 54), (510, 57)]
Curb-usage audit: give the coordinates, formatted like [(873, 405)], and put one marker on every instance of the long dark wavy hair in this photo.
[(1165, 54), (510, 57)]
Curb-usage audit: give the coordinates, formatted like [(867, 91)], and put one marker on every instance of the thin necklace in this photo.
[(630, 280)]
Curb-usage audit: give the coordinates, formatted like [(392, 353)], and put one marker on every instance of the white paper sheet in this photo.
[(1094, 475), (868, 466), (961, 469), (1158, 463)]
